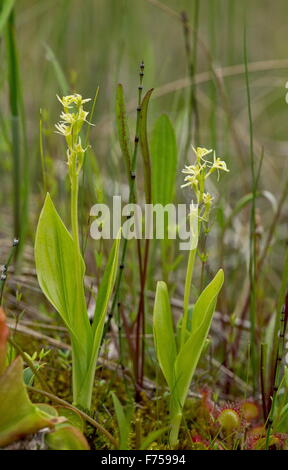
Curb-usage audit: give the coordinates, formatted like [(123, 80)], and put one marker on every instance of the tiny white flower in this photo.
[(201, 152), (82, 115), (190, 180), (219, 164), (86, 100), (69, 118), (197, 173), (78, 147), (192, 170), (69, 100), (63, 129)]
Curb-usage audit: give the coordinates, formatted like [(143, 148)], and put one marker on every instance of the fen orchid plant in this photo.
[(60, 265), (178, 356)]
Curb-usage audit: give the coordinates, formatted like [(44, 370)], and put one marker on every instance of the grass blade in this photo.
[(145, 146), (123, 423), (123, 129)]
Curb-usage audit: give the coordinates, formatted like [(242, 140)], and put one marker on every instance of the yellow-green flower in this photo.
[(63, 129), (69, 126), (207, 201), (192, 173), (70, 100), (194, 170), (190, 180), (207, 198), (197, 174), (218, 165), (201, 152)]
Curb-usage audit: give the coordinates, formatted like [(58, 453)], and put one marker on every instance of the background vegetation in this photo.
[(194, 55)]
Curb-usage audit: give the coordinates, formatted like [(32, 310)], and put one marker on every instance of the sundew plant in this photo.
[(143, 227)]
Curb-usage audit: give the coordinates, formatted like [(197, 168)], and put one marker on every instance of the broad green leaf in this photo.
[(106, 285), (164, 337), (189, 355), (18, 416), (163, 161), (210, 292), (66, 437), (123, 130), (104, 294), (60, 270), (56, 264), (123, 423), (145, 146)]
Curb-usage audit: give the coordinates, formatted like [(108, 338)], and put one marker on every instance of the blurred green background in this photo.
[(64, 46)]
